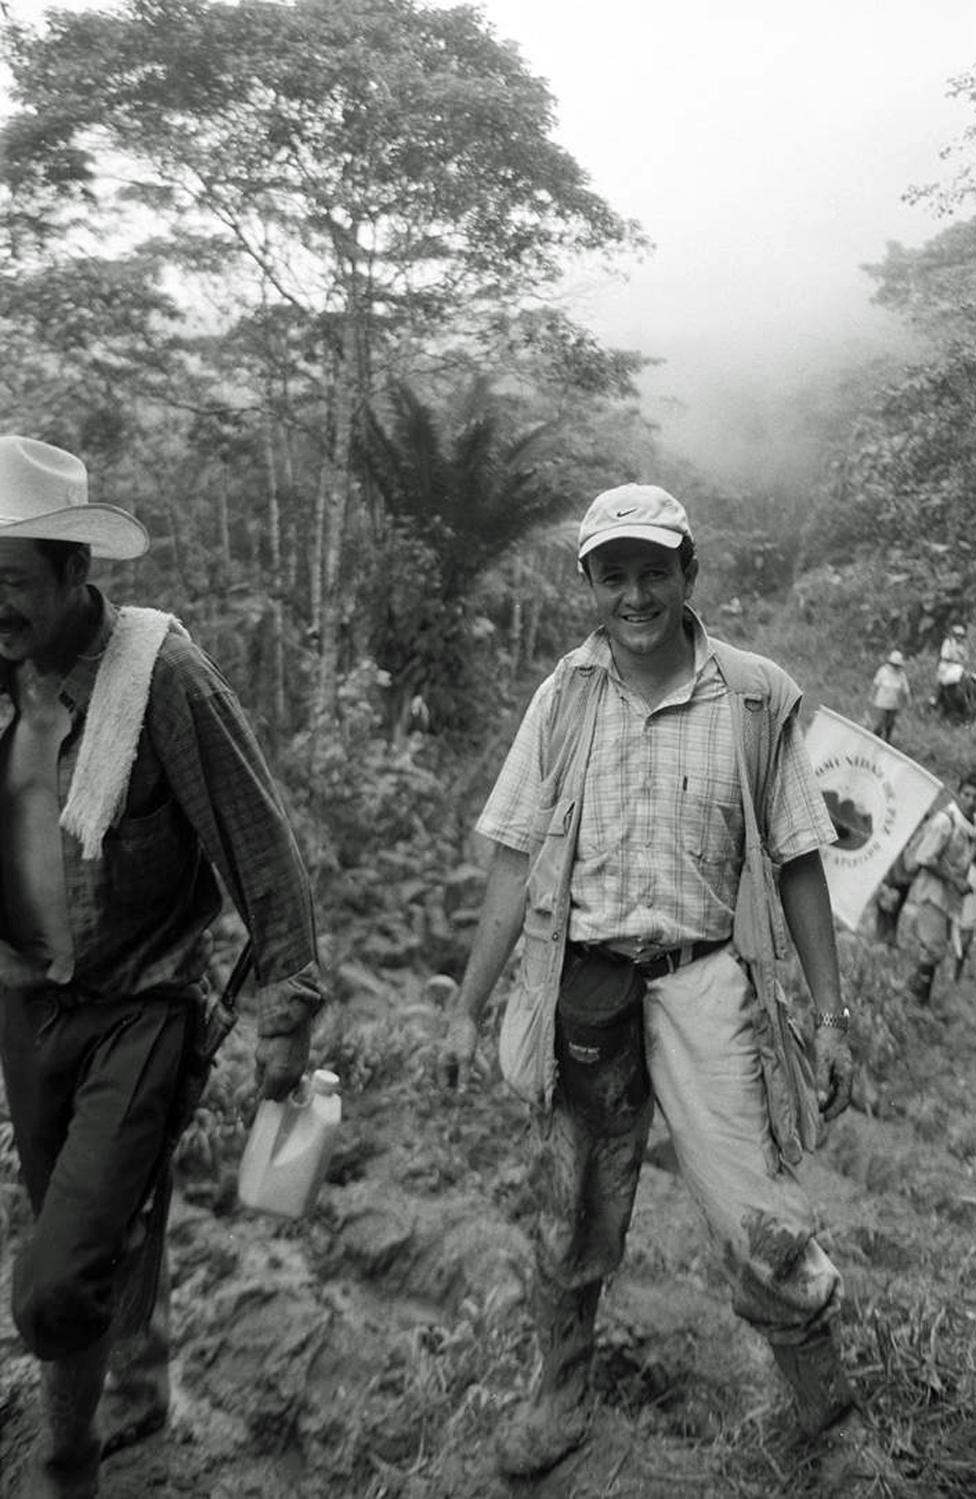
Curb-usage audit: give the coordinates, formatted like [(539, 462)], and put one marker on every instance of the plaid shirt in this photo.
[(949, 842), (661, 840), (200, 798)]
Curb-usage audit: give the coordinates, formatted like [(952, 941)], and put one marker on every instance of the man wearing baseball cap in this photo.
[(622, 824), (129, 781)]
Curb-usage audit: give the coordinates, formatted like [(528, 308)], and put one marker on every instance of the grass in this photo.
[(423, 1420)]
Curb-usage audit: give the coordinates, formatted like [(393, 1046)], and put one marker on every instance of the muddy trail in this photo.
[(370, 1350)]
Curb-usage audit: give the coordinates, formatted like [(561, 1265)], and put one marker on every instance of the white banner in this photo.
[(876, 797)]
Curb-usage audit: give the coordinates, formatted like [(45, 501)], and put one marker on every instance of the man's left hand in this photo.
[(280, 1061), (835, 1071)]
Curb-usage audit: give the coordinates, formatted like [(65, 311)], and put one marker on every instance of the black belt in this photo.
[(656, 964)]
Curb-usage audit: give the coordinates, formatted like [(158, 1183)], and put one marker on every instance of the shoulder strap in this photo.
[(752, 721), (575, 689), (752, 737), (757, 931)]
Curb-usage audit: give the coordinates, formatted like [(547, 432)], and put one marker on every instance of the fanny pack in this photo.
[(600, 1040)]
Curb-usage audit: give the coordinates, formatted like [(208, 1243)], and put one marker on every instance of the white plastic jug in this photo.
[(288, 1150)]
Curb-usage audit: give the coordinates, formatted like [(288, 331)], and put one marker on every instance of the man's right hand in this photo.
[(457, 1051)]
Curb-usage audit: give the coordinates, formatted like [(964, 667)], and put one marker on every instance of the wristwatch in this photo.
[(837, 1019)]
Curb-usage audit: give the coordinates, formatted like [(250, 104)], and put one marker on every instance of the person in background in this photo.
[(951, 676), (624, 894), (890, 692), (129, 781), (890, 899), (941, 862), (964, 927)]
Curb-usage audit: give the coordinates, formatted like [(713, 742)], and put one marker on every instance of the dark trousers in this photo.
[(91, 1088)]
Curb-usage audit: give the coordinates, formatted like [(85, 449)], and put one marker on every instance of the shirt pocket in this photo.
[(148, 860), (710, 829)]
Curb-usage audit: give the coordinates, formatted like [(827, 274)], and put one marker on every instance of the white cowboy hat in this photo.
[(44, 497)]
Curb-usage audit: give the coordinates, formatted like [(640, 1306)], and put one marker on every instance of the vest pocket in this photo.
[(552, 827)]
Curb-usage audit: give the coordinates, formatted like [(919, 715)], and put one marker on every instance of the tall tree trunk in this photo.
[(316, 561), (289, 565), (277, 622), (532, 629), (335, 488), (336, 511), (223, 516)]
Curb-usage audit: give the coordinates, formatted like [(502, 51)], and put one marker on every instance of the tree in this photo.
[(932, 288), (948, 196), (453, 503), (900, 488), (339, 174)]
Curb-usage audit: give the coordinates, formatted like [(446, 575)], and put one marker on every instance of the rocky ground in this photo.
[(370, 1350)]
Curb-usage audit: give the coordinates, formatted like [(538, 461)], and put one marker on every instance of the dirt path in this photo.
[(369, 1351)]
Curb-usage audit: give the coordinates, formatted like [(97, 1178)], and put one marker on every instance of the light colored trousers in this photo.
[(932, 928), (707, 1082)]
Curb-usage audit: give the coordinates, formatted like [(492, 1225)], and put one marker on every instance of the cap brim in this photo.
[(661, 536), (111, 533)]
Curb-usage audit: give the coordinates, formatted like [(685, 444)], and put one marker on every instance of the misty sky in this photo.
[(765, 147)]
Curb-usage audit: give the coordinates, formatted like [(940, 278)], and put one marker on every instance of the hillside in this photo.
[(370, 1350)]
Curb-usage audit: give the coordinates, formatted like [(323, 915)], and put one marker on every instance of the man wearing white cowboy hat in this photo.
[(890, 692), (129, 780)]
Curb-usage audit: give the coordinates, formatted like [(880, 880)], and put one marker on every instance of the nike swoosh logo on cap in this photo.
[(621, 513)]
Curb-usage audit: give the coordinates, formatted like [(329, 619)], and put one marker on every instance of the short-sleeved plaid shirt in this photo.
[(947, 838), (200, 798), (661, 840)]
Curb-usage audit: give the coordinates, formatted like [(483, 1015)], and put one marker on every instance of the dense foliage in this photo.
[(228, 232), (899, 496)]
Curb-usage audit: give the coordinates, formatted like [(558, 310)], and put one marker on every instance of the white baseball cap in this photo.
[(641, 512)]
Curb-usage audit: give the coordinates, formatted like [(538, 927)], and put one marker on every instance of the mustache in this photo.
[(12, 621)]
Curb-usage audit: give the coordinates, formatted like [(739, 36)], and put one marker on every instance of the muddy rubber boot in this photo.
[(820, 1388), (65, 1462), (555, 1420), (135, 1401), (851, 1462)]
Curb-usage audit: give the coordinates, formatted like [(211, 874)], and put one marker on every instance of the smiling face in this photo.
[(640, 591), (39, 608), (966, 800)]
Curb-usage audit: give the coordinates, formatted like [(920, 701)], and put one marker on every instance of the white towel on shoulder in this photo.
[(113, 724)]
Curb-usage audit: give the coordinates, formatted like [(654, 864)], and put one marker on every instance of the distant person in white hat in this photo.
[(952, 678), (625, 858), (890, 692), (129, 780)]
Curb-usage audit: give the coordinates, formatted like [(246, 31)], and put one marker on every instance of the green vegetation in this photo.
[(332, 382), (228, 235)]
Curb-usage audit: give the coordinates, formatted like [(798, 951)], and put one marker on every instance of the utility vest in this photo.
[(767, 697)]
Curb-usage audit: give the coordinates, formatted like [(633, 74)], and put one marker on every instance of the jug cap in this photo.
[(324, 1081)]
